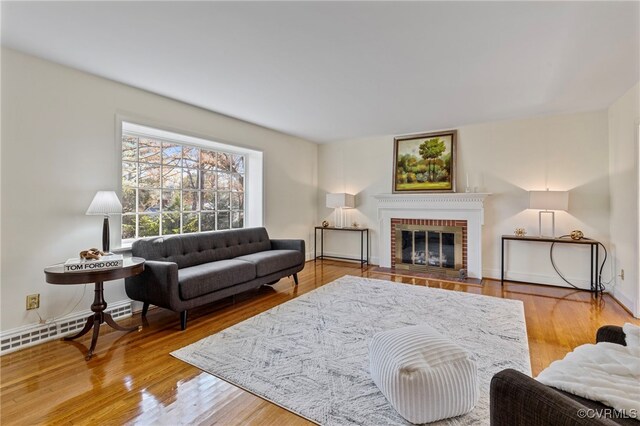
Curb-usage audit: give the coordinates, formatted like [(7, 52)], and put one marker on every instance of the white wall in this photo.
[(624, 119), (507, 159), (59, 147)]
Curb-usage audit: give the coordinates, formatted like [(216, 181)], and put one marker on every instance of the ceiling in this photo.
[(329, 71)]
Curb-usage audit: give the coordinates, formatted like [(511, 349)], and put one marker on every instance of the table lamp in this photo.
[(105, 203), (339, 202), (548, 201)]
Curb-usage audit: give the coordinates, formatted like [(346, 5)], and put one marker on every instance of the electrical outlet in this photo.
[(622, 274), (33, 301)]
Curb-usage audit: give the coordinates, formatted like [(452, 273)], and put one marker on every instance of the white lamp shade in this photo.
[(105, 203), (341, 200), (549, 200)]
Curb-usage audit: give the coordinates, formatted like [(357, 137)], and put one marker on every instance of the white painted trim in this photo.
[(627, 302), (149, 122), (350, 255), (636, 309), (308, 256), (254, 165), (450, 206), (15, 337), (494, 274)]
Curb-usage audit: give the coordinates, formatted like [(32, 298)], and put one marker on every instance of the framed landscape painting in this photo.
[(425, 162)]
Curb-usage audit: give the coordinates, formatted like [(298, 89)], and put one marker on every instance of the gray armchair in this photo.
[(519, 400)]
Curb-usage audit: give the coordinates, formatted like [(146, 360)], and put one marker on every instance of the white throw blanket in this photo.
[(605, 372)]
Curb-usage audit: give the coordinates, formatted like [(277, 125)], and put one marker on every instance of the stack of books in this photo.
[(108, 261)]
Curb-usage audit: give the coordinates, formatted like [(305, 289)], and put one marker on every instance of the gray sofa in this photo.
[(186, 271)]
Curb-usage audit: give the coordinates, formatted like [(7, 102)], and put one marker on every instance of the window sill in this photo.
[(126, 249)]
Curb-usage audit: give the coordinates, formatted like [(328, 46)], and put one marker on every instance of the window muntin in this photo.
[(170, 187)]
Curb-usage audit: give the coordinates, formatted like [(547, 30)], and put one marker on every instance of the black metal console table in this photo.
[(363, 260), (595, 283)]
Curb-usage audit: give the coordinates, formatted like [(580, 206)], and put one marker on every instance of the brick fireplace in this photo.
[(464, 210), (427, 237)]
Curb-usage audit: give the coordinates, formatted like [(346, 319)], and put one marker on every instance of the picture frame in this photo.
[(425, 162)]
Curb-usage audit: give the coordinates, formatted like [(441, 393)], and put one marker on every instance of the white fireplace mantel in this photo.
[(445, 206)]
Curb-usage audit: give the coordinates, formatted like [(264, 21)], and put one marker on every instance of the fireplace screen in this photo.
[(428, 247)]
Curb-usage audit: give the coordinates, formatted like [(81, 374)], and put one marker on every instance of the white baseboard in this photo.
[(34, 334), (625, 301), (536, 278), (354, 258)]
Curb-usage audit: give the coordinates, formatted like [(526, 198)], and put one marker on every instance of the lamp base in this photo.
[(339, 217), (553, 223), (105, 234)]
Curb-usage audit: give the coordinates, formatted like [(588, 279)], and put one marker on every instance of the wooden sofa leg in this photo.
[(145, 308), (295, 278), (183, 320)]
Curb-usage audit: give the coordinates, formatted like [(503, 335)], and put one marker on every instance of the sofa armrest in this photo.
[(519, 400), (612, 334), (288, 245), (157, 285)]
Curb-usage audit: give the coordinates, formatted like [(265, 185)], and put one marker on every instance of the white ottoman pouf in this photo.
[(425, 376)]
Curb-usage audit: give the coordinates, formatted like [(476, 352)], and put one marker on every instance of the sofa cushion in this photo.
[(213, 276), (203, 247), (268, 262)]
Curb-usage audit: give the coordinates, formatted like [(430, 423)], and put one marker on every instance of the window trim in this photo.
[(254, 209)]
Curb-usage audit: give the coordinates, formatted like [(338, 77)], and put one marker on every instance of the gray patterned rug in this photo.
[(310, 355)]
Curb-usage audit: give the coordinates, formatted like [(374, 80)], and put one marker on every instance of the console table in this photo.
[(594, 282), (363, 260), (56, 275)]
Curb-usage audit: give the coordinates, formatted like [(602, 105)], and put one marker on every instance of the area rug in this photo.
[(310, 355)]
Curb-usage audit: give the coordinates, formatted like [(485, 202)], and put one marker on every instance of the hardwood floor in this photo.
[(132, 379)]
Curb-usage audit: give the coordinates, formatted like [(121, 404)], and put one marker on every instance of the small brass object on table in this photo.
[(325, 224), (91, 254), (520, 232), (577, 234)]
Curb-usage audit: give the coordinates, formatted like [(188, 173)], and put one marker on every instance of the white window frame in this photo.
[(253, 177)]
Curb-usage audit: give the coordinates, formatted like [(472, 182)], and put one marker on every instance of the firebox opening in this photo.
[(429, 248)]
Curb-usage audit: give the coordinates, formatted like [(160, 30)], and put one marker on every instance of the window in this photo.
[(171, 186)]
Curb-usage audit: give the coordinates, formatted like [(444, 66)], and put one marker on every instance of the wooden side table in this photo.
[(55, 274)]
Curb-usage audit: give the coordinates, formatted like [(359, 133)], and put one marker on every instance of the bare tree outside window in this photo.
[(172, 188)]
